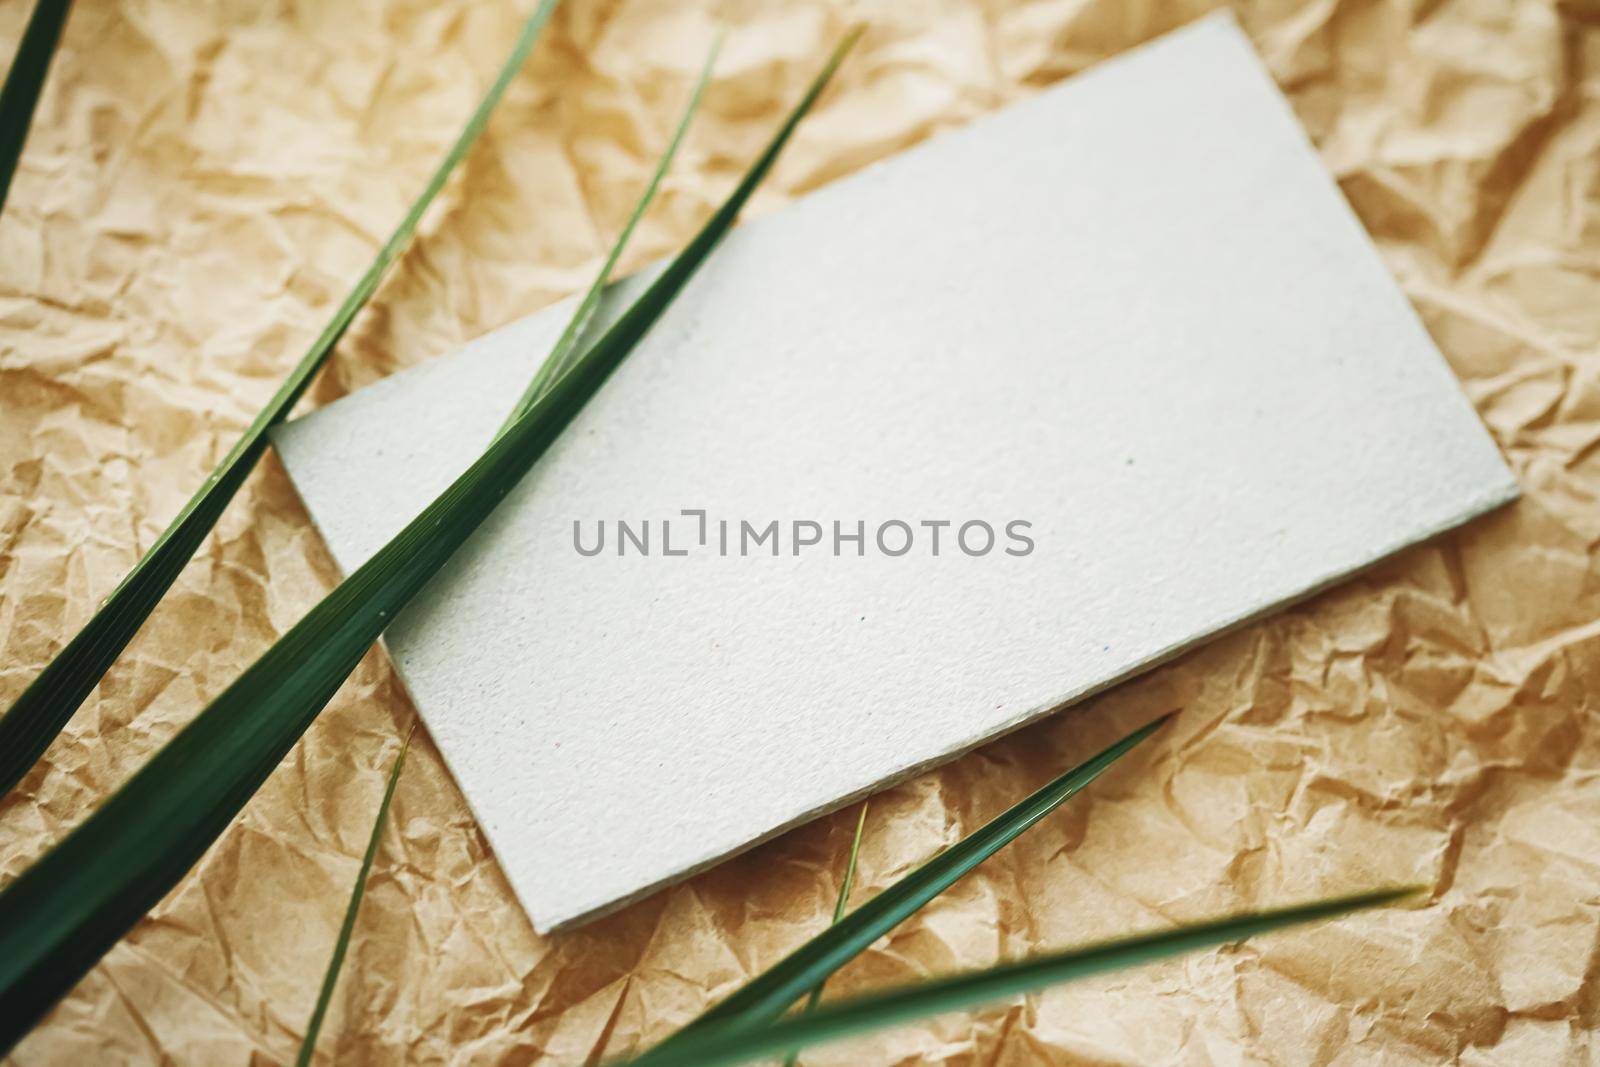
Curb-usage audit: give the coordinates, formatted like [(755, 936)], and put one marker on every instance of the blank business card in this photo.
[(941, 448)]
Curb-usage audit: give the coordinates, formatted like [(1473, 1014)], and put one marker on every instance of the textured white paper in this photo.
[(1133, 311)]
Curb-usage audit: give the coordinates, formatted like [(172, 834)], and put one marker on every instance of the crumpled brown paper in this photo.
[(204, 181)]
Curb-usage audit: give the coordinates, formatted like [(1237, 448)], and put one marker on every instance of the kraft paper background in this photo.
[(204, 182)]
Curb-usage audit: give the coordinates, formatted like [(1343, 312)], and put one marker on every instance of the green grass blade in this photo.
[(341, 946), (769, 995), (66, 910), (552, 367), (561, 355), (721, 1045), (50, 701), (838, 913), (849, 875), (23, 82)]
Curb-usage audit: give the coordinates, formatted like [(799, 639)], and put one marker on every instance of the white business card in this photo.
[(941, 448)]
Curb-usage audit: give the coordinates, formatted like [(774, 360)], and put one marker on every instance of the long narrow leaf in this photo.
[(549, 370), (561, 355), (769, 995), (50, 701), (718, 1046), (342, 944), (23, 82), (838, 912), (62, 913)]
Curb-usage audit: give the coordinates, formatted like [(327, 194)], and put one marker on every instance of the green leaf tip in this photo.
[(561, 356), (849, 880), (724, 1044), (62, 913), (838, 913), (50, 701), (341, 945), (770, 994), (24, 81)]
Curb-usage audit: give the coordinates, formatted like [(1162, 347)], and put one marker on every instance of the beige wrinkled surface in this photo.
[(203, 183)]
